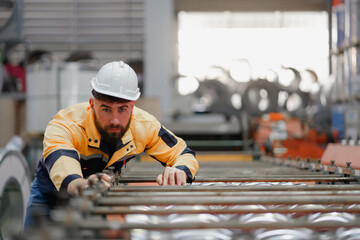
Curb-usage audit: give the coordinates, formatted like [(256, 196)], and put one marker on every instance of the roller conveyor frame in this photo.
[(314, 186)]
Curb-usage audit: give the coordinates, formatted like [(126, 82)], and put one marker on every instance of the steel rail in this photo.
[(220, 163), (323, 178), (230, 200), (223, 165), (243, 209), (140, 168), (237, 193), (94, 224), (237, 188), (235, 173)]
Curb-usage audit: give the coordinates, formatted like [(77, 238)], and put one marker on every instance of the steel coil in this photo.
[(14, 189)]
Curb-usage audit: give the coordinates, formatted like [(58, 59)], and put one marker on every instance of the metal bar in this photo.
[(237, 193), (244, 210), (209, 165), (221, 163), (191, 188), (92, 224), (235, 173), (216, 143), (231, 200), (325, 178)]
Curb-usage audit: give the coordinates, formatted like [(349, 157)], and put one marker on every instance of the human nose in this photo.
[(115, 119)]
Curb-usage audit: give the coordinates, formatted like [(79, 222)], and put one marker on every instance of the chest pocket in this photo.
[(92, 164)]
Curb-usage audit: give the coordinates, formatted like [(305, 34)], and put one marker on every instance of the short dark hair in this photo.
[(108, 98)]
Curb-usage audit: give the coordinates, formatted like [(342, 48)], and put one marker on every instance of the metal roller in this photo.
[(260, 96), (249, 179), (229, 200), (101, 225), (292, 84), (14, 191), (215, 97), (235, 209), (233, 188)]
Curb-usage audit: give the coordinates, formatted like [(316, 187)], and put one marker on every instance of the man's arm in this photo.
[(172, 151), (61, 157)]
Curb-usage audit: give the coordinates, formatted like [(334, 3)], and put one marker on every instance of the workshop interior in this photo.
[(266, 92)]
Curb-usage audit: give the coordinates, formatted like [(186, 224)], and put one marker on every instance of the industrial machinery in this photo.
[(233, 197), (225, 106)]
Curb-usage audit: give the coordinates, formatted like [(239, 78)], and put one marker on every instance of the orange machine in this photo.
[(287, 137)]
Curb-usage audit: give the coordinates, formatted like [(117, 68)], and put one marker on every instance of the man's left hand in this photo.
[(172, 176)]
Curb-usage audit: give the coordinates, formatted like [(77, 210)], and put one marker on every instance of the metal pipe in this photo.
[(235, 193), (235, 173), (231, 200), (100, 210), (191, 188), (93, 224), (323, 178)]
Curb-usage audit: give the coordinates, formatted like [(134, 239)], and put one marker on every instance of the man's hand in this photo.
[(172, 176), (80, 184)]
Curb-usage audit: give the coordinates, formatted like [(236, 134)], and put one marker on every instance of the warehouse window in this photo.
[(252, 45)]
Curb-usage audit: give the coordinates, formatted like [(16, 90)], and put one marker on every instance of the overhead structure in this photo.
[(251, 5)]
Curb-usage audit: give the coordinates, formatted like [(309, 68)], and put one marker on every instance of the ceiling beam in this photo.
[(251, 5)]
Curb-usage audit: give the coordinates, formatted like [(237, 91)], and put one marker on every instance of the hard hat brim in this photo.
[(112, 94)]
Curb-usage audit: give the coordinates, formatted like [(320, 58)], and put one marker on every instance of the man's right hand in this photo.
[(81, 183)]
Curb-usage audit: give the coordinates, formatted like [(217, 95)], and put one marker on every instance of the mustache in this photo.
[(113, 126)]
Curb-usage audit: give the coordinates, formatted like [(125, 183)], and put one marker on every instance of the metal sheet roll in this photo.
[(14, 191), (260, 97)]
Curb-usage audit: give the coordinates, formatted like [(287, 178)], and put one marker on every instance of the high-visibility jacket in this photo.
[(73, 147)]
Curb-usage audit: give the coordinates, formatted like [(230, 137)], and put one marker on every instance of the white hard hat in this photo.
[(117, 79)]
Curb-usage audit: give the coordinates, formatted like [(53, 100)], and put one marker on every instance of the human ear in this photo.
[(91, 102)]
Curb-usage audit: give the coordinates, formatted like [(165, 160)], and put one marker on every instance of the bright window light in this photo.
[(187, 85), (266, 41)]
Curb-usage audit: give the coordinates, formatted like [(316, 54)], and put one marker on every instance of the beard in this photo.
[(113, 137)]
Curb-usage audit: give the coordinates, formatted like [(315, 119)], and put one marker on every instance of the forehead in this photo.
[(112, 104)]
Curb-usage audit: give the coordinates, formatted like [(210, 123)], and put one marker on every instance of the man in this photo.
[(86, 138)]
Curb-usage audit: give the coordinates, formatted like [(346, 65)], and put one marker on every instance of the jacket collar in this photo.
[(127, 136), (93, 134)]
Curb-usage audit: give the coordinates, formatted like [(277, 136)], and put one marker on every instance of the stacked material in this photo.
[(265, 199)]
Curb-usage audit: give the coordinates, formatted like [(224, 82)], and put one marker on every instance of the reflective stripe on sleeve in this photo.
[(67, 180), (187, 172), (188, 150), (167, 137), (54, 156)]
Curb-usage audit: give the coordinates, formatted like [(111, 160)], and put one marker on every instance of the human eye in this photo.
[(122, 109), (106, 110)]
